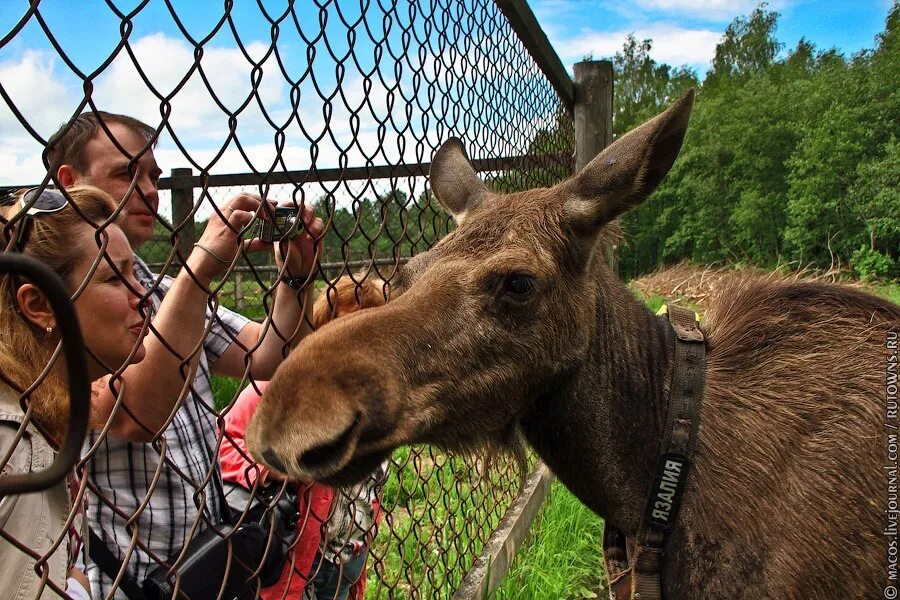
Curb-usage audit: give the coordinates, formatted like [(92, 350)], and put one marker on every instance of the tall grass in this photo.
[(889, 291), (561, 558), (441, 509)]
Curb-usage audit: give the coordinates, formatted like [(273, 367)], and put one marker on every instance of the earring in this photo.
[(49, 330)]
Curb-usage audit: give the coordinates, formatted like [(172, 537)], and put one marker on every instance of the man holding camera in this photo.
[(186, 343)]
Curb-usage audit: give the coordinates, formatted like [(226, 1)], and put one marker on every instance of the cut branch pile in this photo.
[(696, 284)]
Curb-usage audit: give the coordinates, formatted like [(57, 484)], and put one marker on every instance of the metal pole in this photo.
[(182, 205), (529, 32), (239, 291)]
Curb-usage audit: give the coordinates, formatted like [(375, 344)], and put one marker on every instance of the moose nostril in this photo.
[(270, 457), (321, 456)]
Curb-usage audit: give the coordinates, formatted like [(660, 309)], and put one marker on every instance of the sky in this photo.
[(45, 83), (685, 32)]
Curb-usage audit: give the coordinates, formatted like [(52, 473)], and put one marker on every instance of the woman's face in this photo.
[(107, 309)]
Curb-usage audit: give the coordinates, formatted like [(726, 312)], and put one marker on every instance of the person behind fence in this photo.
[(53, 233), (329, 557), (115, 153)]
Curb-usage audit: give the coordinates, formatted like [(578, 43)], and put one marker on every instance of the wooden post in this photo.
[(182, 205), (593, 109), (593, 131), (593, 118)]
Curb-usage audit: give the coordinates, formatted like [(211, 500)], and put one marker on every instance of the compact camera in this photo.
[(282, 222)]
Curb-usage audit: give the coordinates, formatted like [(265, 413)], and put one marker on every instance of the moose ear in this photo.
[(454, 181), (627, 171)]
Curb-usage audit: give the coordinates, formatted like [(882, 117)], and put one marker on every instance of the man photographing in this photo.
[(186, 343)]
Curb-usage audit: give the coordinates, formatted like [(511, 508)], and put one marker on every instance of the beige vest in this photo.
[(37, 520)]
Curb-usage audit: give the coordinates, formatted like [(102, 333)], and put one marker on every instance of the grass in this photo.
[(441, 509), (561, 558), (887, 290), (224, 390), (654, 303)]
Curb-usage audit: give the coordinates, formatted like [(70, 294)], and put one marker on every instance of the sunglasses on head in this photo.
[(38, 201)]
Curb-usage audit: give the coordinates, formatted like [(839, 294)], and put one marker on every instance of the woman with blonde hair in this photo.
[(44, 224)]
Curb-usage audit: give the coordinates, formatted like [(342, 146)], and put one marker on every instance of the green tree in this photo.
[(642, 86), (642, 89), (790, 158), (843, 175), (747, 48)]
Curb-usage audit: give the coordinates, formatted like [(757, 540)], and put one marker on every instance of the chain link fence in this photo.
[(336, 105)]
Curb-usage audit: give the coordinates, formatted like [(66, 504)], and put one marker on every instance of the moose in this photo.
[(513, 327)]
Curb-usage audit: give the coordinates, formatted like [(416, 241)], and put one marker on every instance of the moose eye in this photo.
[(519, 286)]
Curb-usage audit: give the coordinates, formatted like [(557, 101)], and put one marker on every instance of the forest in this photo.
[(792, 158)]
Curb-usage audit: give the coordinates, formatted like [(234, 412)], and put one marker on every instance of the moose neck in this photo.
[(598, 430)]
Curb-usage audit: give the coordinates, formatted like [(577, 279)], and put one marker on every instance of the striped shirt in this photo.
[(124, 471)]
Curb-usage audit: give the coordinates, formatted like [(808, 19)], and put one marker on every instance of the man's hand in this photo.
[(292, 311), (154, 385), (220, 241), (303, 251)]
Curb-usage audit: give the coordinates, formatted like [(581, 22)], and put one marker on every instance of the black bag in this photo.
[(202, 571)]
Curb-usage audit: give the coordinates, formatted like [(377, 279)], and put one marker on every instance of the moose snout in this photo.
[(330, 456), (331, 411), (318, 461), (310, 448), (273, 461)]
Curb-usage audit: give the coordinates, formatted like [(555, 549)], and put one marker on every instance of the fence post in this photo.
[(593, 118), (593, 124), (593, 109), (182, 205)]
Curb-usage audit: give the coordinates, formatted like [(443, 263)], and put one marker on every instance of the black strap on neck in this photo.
[(636, 574), (682, 420)]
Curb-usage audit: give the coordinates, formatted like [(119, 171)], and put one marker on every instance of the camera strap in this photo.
[(109, 565)]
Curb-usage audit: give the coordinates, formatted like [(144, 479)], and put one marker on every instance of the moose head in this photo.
[(497, 315)]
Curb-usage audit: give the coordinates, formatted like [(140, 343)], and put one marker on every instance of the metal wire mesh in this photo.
[(338, 105)]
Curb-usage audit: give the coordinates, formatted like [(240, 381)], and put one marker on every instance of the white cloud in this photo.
[(713, 10), (21, 169), (166, 62), (47, 94), (555, 16), (378, 120), (671, 44), (41, 96), (35, 89), (710, 9)]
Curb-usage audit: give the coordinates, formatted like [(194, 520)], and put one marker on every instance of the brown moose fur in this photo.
[(785, 499)]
